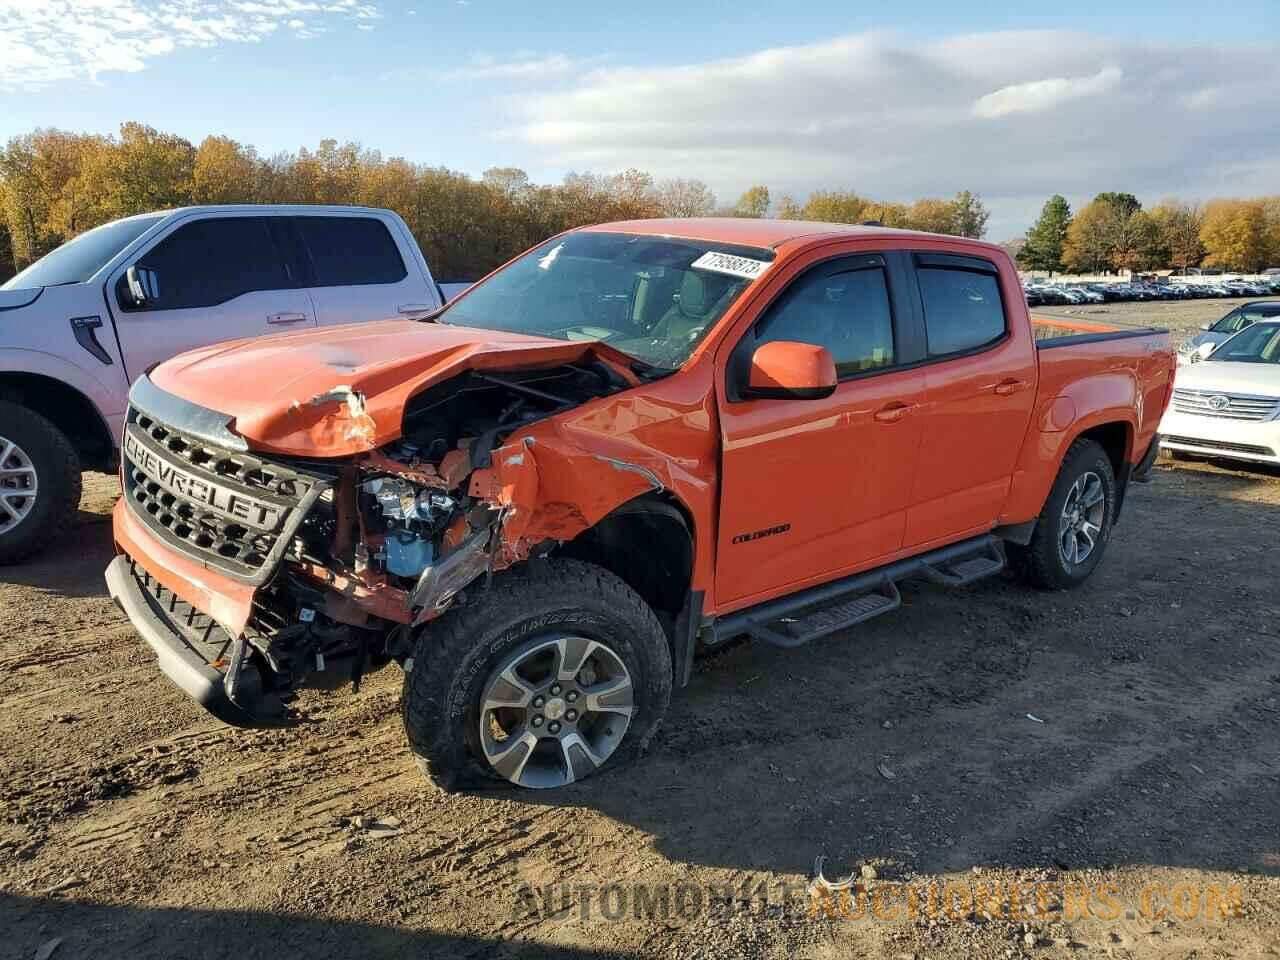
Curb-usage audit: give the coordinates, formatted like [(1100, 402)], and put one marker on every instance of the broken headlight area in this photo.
[(405, 530), (415, 519)]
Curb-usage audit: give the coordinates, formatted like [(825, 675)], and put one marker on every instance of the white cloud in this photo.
[(1037, 96), (44, 42), (1015, 116), (523, 66)]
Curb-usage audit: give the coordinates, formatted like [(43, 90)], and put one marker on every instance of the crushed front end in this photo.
[(254, 575)]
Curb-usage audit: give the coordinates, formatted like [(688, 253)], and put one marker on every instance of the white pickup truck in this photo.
[(78, 326)]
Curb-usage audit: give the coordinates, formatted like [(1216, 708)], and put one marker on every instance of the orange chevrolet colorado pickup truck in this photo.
[(635, 442)]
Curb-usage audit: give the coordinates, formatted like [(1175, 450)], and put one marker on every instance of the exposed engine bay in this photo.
[(403, 531)]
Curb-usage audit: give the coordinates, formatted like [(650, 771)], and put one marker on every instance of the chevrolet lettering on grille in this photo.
[(189, 486)]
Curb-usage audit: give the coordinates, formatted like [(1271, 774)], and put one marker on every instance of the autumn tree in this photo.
[(1179, 226), (223, 172), (1045, 239), (889, 214), (1234, 234), (835, 206), (511, 181), (933, 215), (753, 203), (1087, 248), (143, 170), (788, 209), (685, 198)]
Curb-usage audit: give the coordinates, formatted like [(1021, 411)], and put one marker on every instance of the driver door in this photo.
[(815, 489), (215, 278)]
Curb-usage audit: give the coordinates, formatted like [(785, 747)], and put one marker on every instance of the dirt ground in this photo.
[(1117, 744)]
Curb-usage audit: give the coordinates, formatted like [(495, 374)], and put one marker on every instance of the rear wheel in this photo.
[(39, 482), (554, 673), (1075, 524)]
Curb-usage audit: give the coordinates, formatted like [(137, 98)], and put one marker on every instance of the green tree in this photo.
[(1127, 202), (1045, 239), (971, 215)]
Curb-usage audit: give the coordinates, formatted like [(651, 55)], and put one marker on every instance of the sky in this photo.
[(893, 100)]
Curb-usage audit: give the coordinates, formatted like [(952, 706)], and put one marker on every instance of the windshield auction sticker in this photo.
[(727, 263)]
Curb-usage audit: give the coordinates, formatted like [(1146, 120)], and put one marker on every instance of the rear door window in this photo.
[(963, 310), (349, 251), (209, 262)]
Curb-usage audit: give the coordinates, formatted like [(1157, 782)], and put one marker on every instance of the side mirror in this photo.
[(141, 286), (1202, 351), (786, 370), (1206, 326)]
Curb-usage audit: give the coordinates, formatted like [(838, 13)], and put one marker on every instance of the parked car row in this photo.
[(1058, 294)]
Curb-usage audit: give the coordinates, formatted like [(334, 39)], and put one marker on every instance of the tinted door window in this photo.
[(962, 309), (845, 310), (209, 262), (349, 251)]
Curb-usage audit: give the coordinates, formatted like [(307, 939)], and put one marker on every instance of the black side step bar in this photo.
[(819, 611)]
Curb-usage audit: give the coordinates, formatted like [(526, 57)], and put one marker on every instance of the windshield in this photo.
[(651, 297), (1233, 322), (79, 259), (1259, 343)]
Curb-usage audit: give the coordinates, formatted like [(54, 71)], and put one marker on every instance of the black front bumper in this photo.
[(183, 639)]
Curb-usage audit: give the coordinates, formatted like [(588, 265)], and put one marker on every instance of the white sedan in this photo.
[(1228, 405)]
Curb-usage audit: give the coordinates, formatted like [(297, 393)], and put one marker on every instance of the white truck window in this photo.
[(350, 251)]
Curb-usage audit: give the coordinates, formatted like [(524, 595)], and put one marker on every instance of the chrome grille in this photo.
[(231, 510), (1223, 445), (1228, 406)]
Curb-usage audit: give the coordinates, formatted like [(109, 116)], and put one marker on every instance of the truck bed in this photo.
[(1055, 332)]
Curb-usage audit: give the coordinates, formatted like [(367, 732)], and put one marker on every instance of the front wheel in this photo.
[(554, 672), (1075, 524), (39, 482)]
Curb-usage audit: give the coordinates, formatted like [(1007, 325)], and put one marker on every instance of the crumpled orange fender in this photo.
[(560, 477)]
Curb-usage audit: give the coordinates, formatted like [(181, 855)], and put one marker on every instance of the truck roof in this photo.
[(752, 232), (251, 208)]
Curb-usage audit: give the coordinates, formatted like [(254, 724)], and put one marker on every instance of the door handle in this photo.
[(1007, 388), (412, 308), (893, 412), (287, 317)]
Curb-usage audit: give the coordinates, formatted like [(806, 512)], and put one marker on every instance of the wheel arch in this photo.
[(68, 409), (648, 543)]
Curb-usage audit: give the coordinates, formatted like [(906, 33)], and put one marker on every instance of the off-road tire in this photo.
[(1040, 563), (454, 655), (57, 475)]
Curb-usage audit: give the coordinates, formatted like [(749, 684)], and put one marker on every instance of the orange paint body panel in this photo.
[(227, 601), (780, 494)]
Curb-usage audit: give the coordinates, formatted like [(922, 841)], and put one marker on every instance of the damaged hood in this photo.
[(337, 391)]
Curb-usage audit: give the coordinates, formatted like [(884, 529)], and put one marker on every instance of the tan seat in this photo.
[(700, 296)]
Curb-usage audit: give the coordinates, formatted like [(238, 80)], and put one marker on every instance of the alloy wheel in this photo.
[(555, 710), (18, 485), (1083, 514)]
